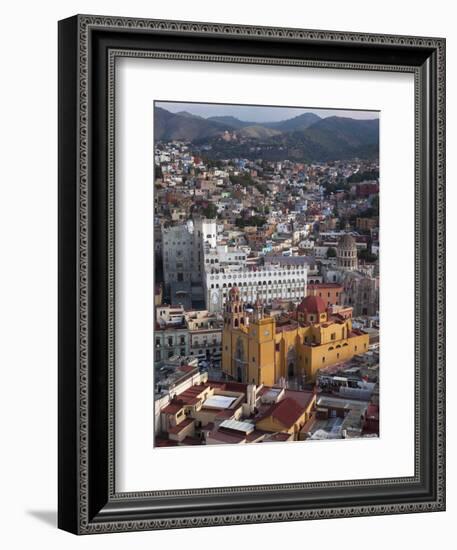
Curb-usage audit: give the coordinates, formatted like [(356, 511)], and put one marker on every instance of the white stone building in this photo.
[(266, 283), (199, 269)]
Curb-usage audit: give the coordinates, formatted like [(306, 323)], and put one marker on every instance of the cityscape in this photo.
[(266, 289)]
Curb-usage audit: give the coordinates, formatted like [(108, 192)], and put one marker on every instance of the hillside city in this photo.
[(266, 293)]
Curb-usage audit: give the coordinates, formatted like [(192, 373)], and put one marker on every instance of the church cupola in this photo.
[(346, 253), (312, 310)]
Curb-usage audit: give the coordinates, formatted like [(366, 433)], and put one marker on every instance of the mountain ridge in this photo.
[(306, 136)]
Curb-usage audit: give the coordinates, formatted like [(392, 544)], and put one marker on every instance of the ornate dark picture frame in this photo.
[(88, 47)]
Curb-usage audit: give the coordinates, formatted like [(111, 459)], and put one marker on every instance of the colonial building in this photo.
[(205, 335), (267, 282), (183, 259), (261, 349), (361, 292), (170, 340), (181, 333)]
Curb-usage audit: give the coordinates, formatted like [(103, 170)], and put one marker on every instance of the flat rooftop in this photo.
[(219, 401)]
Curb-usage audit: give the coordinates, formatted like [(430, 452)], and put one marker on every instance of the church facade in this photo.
[(256, 348)]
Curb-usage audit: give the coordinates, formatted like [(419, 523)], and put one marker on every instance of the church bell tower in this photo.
[(234, 314)]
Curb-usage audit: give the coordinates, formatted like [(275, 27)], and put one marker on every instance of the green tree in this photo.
[(331, 252), (210, 211), (258, 221), (369, 175), (244, 179), (366, 255)]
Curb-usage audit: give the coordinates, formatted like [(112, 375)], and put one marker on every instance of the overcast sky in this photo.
[(259, 114)]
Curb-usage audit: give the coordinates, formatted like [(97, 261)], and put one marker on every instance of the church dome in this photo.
[(347, 242), (346, 253), (312, 304)]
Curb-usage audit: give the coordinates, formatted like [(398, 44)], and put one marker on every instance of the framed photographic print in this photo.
[(251, 274)]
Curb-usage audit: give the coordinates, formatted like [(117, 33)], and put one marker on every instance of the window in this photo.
[(182, 351), (170, 341), (277, 347), (323, 359), (333, 336)]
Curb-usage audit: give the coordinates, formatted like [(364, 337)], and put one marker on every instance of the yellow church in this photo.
[(256, 348)]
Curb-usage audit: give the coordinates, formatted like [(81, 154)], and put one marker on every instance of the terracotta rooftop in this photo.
[(312, 304), (227, 437), (187, 368), (317, 286), (173, 407), (303, 398), (255, 436), (285, 327), (287, 411), (180, 426)]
